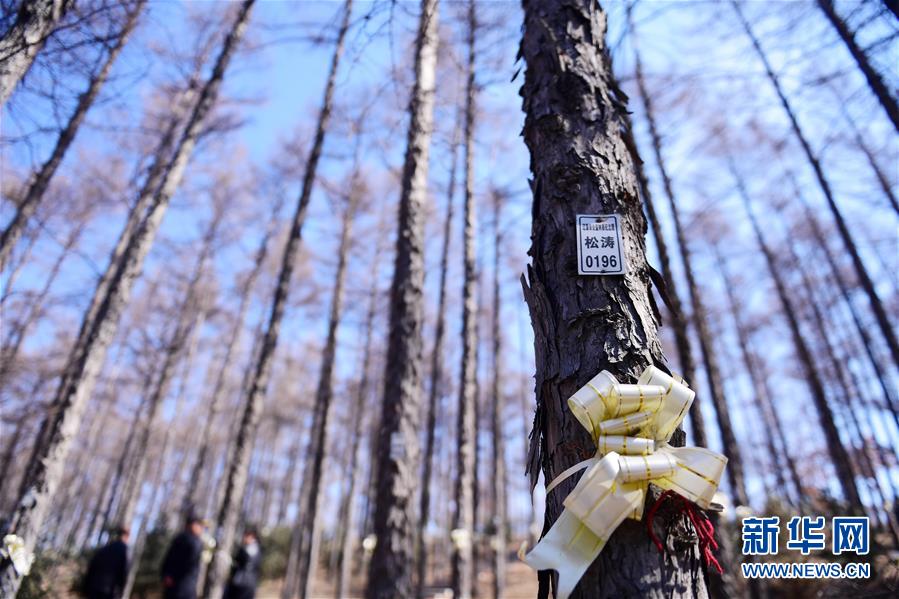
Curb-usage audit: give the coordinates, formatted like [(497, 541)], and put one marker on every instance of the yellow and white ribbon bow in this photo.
[(14, 549), (631, 426)]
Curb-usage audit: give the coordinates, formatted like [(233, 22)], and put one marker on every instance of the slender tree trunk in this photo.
[(837, 450), (867, 342), (864, 278), (345, 563), (34, 23), (40, 181), (464, 570), (85, 364), (678, 319), (201, 466), (581, 165), (700, 320), (317, 446), (859, 140), (435, 390), (762, 387), (392, 567), (238, 462), (875, 81), (498, 473), (13, 340)]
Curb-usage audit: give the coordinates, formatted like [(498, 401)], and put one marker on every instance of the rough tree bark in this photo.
[(875, 81), (239, 455), (466, 426), (580, 164), (321, 412), (497, 404), (392, 565), (837, 450), (861, 271), (85, 363), (35, 21), (40, 181)]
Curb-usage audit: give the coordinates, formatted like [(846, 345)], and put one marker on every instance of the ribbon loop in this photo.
[(631, 425)]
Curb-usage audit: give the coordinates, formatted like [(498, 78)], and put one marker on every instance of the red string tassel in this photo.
[(705, 530)]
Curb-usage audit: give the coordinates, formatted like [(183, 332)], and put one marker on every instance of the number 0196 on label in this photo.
[(599, 250)]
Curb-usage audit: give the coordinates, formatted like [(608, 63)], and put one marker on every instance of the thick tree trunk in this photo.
[(392, 567), (40, 181), (345, 562), (497, 404), (678, 318), (464, 570), (317, 446), (436, 379), (875, 81), (837, 450), (238, 460), (861, 271), (583, 324), (762, 386), (19, 45), (85, 364), (700, 319)]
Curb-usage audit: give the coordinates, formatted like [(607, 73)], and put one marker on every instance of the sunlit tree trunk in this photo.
[(392, 567), (228, 511), (497, 404), (35, 21), (861, 271), (85, 364), (40, 181), (582, 324), (466, 428), (436, 379), (345, 563), (317, 446), (838, 454)]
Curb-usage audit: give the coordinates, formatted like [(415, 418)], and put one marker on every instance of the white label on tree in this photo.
[(599, 250)]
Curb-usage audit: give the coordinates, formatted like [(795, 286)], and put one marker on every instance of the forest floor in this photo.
[(521, 583)]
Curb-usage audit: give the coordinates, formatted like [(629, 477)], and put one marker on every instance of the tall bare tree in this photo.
[(436, 378), (497, 407), (392, 565), (35, 21), (40, 181), (317, 445), (574, 113), (466, 424), (838, 454), (228, 511), (84, 365), (875, 81), (861, 271)]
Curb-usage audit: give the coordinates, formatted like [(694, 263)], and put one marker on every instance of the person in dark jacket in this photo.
[(108, 568), (245, 571), (181, 565)]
